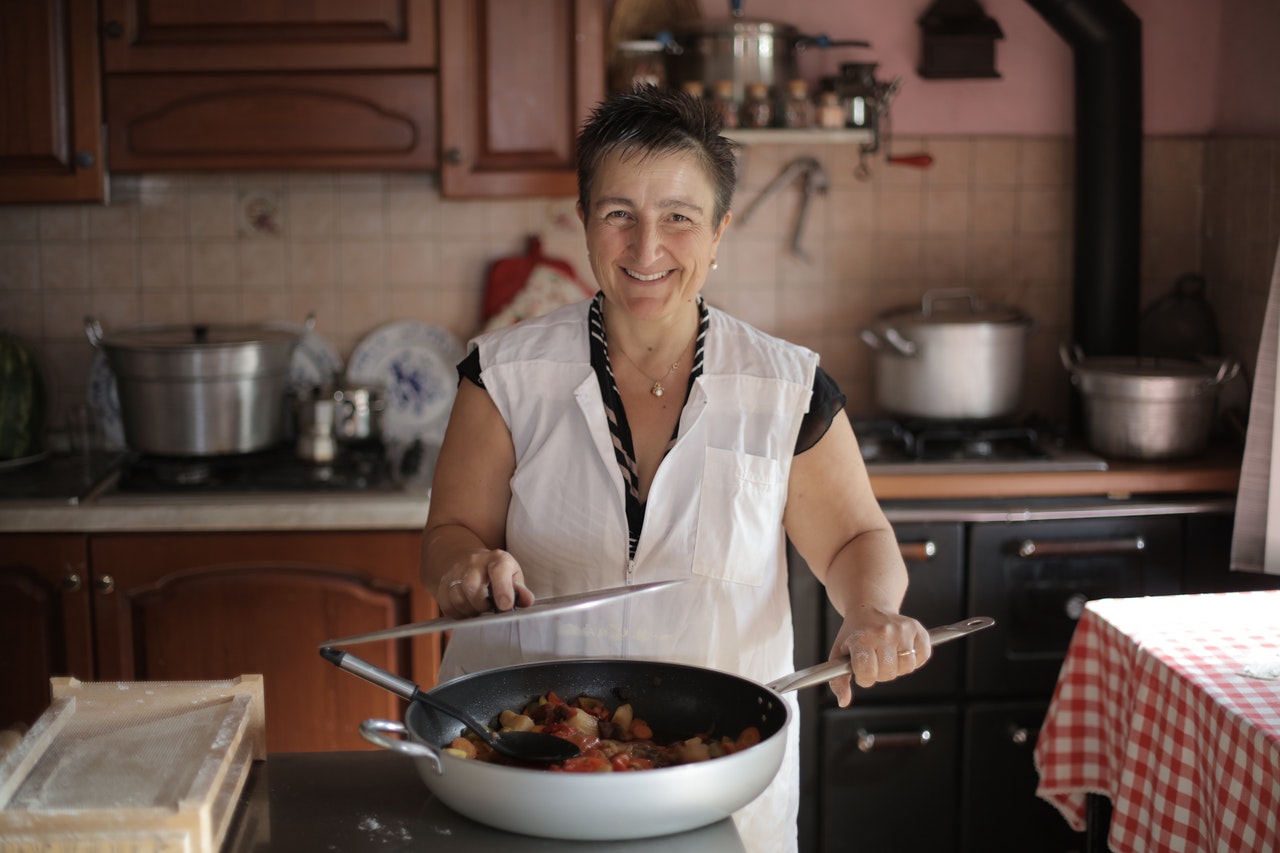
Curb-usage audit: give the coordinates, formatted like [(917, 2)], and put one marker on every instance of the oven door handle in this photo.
[(869, 741), (1029, 548), (918, 552)]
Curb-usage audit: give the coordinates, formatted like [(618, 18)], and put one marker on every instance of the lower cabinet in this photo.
[(177, 607)]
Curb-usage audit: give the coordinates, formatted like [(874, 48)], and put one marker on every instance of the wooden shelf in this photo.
[(800, 136)]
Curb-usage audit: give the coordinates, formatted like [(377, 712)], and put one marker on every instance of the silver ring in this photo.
[(907, 652), (454, 583)]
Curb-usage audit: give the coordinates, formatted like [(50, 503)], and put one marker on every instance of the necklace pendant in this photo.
[(657, 389)]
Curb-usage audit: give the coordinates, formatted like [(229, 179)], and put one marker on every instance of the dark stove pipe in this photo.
[(1106, 40)]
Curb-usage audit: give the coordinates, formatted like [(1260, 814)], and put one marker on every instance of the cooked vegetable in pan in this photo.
[(610, 741)]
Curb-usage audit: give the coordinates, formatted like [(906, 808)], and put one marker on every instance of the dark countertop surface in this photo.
[(344, 801)]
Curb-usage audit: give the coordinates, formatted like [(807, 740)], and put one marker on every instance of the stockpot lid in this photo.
[(954, 307), (183, 337), (1150, 378)]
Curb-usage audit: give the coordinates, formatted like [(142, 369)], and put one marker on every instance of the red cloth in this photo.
[(1153, 709), (508, 276)]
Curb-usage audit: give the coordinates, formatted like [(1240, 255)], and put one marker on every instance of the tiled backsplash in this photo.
[(358, 250)]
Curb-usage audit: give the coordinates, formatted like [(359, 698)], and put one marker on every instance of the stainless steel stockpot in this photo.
[(953, 357), (199, 390)]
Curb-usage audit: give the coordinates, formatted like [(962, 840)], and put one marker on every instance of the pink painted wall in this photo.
[(1208, 65)]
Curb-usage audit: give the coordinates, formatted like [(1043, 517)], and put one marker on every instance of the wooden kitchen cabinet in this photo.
[(51, 145), (517, 79), (239, 84), (45, 626), (209, 606)]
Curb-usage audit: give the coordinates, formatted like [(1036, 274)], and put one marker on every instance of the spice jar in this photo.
[(694, 88), (725, 103), (830, 113), (757, 109), (639, 63), (797, 109)]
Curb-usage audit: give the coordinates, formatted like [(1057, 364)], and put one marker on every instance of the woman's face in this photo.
[(651, 231)]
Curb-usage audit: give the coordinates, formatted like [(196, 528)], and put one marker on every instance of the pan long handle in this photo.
[(824, 672)]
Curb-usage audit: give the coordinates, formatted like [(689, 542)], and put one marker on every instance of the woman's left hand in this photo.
[(882, 646)]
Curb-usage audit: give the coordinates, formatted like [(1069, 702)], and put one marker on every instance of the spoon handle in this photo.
[(389, 681)]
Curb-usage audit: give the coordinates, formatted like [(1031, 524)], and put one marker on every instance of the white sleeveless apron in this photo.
[(714, 515)]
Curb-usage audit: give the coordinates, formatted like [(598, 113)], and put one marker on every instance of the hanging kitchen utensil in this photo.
[(529, 747), (559, 604), (1180, 324), (816, 182), (675, 699)]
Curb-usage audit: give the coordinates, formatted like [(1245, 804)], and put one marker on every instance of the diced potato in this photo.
[(584, 722), (622, 718), (462, 748), (693, 750), (511, 721)]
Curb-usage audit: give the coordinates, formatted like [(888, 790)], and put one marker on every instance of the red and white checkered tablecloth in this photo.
[(1153, 709)]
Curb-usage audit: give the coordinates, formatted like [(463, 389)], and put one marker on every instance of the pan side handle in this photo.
[(377, 732)]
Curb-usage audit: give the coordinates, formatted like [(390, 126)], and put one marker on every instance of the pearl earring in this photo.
[(714, 265)]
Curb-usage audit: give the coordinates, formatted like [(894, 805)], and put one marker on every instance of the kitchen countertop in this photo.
[(1217, 472), (375, 800)]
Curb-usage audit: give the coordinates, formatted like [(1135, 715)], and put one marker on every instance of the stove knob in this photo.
[(1075, 606)]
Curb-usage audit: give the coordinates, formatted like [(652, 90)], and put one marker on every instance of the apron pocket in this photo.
[(739, 516)]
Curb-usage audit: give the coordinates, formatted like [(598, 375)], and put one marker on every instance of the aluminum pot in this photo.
[(953, 357), (743, 51), (199, 390), (1148, 408)]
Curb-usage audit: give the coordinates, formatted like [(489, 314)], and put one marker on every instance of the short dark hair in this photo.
[(649, 120)]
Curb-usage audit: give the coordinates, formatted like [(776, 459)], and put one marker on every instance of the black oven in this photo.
[(960, 733)]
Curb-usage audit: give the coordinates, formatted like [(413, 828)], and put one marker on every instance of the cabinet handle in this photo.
[(867, 741), (918, 551), (85, 159), (1081, 547), (71, 582), (105, 584), (1021, 735), (453, 156)]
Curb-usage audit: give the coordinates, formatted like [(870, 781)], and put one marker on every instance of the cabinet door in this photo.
[(272, 121), (1001, 810), (50, 102), (250, 35), (44, 620), (179, 607), (890, 777), (517, 78)]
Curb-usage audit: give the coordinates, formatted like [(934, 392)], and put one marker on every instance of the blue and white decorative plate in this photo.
[(104, 399), (417, 365)]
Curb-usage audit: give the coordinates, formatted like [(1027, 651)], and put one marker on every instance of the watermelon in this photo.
[(21, 400)]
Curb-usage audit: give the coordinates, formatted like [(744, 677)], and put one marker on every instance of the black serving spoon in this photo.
[(529, 747)]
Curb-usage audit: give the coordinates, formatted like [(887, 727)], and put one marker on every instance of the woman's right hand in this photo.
[(483, 581)]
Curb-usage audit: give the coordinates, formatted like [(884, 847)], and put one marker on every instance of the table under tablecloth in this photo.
[(1154, 710)]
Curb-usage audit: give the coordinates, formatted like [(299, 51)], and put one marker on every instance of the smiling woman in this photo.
[(572, 461)]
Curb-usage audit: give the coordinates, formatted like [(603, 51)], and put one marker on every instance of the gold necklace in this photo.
[(656, 389)]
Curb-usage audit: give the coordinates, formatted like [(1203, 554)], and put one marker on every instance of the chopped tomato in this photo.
[(588, 762), (750, 737), (640, 730)]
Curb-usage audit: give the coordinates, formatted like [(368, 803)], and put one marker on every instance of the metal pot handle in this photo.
[(1071, 356), (1228, 371), (932, 296), (375, 731), (93, 329), (892, 339)]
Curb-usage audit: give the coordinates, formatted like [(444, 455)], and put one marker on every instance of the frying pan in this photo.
[(677, 700)]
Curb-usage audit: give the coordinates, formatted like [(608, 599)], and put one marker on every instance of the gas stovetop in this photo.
[(944, 447), (355, 467)]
